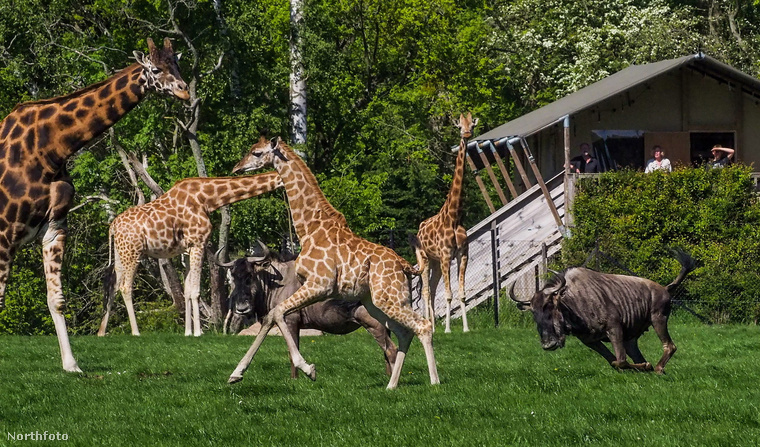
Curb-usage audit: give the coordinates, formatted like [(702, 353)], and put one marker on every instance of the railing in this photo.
[(509, 244)]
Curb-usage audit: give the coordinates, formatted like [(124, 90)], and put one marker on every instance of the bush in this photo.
[(712, 214)]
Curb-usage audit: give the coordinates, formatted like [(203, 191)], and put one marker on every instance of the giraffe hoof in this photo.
[(312, 373), (234, 379), (72, 369)]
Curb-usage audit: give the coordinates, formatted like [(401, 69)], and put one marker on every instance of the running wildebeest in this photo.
[(262, 282), (597, 307)]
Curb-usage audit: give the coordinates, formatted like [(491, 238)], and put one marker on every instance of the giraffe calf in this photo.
[(176, 222)]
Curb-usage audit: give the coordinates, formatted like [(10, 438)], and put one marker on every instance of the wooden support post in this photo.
[(503, 169), (541, 183), (491, 175), (518, 165), (482, 186), (495, 271), (569, 180)]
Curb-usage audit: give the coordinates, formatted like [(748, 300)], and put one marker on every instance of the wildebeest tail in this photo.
[(687, 265)]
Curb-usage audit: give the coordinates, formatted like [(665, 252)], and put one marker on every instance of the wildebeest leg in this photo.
[(639, 362), (660, 324), (293, 328), (380, 332), (615, 334), (599, 347)]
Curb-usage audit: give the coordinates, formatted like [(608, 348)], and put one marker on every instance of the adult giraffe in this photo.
[(38, 137), (442, 238), (174, 223), (336, 263)]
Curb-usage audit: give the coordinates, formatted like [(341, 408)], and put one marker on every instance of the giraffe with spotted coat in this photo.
[(36, 140), (336, 263)]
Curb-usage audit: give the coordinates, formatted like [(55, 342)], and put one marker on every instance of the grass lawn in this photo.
[(497, 388)]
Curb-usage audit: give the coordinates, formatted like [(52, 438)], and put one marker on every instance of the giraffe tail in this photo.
[(109, 284), (414, 241)]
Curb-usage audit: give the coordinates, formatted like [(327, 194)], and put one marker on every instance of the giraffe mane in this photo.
[(75, 94), (311, 180)]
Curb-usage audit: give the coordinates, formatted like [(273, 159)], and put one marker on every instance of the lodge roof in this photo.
[(616, 84)]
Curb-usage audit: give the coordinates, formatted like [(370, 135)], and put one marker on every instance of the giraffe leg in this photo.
[(53, 243), (6, 255), (307, 294), (463, 254), (193, 290), (424, 266), (435, 278), (126, 287), (446, 273), (124, 270), (405, 324)]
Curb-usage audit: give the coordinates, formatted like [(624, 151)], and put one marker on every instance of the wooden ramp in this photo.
[(516, 233)]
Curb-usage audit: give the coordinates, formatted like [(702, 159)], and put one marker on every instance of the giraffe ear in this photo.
[(278, 153), (274, 142), (140, 57), (178, 56)]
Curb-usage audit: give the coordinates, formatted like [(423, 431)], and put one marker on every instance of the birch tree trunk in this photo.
[(297, 77)]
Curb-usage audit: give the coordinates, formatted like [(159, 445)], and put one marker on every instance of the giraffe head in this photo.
[(161, 70), (262, 154), (466, 124)]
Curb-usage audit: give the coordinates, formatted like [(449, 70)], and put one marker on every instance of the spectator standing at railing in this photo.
[(591, 166), (658, 162), (722, 156)]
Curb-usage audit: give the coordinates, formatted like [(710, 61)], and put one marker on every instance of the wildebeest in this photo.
[(262, 282), (597, 307)]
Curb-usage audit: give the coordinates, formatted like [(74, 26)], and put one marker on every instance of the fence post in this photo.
[(544, 263), (495, 271)]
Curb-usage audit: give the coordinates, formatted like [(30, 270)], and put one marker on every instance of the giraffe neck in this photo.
[(308, 204), (58, 127), (452, 208), (228, 190)]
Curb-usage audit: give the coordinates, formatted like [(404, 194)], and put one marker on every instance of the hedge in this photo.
[(713, 214)]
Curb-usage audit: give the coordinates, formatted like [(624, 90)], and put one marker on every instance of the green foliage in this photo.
[(383, 81), (713, 214)]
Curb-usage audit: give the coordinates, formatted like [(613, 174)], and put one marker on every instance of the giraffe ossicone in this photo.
[(37, 138), (336, 263), (442, 238)]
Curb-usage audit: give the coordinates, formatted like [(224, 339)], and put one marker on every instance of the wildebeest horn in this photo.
[(216, 261), (264, 255), (514, 298), (559, 286)]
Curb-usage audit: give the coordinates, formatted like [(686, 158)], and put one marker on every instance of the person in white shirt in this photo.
[(658, 161)]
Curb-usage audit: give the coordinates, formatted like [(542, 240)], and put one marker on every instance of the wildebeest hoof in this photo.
[(659, 371), (312, 372), (234, 379)]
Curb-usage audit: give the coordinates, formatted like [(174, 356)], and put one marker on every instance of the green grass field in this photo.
[(497, 388)]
